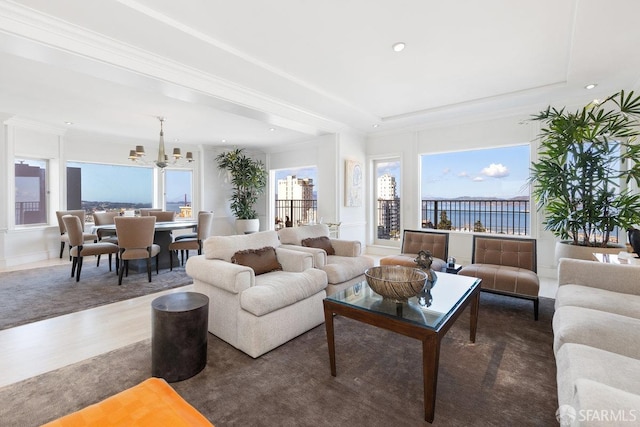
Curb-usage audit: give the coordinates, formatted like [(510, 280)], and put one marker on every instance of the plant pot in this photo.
[(566, 250), (247, 226)]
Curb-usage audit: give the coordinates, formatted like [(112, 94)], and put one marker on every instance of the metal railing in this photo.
[(291, 213), (480, 215), (30, 213)]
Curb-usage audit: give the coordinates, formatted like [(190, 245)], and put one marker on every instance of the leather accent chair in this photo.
[(163, 216), (413, 241), (79, 249), (506, 266), (105, 218), (146, 211), (135, 239), (205, 221), (64, 237)]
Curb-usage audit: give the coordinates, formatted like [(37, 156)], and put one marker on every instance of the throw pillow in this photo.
[(321, 243), (261, 260)]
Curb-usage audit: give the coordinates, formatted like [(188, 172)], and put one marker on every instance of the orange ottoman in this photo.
[(151, 403)]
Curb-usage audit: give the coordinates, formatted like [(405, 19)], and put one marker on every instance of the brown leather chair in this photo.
[(135, 239), (413, 241), (64, 237), (163, 216), (205, 220), (506, 266), (80, 249)]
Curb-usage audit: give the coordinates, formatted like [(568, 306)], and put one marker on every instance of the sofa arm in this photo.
[(232, 278), (349, 248), (610, 277), (319, 256), (293, 260)]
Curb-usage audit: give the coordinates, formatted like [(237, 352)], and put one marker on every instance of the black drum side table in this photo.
[(179, 335)]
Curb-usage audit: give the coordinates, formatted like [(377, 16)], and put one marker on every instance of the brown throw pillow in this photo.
[(321, 243), (261, 260)]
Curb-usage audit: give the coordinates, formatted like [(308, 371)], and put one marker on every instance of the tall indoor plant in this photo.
[(583, 157), (249, 180)]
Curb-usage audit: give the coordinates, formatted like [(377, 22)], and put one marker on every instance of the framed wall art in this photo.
[(353, 192)]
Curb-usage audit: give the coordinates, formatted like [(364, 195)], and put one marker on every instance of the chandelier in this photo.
[(163, 160)]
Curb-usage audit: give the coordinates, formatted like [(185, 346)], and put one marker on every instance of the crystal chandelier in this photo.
[(163, 160)]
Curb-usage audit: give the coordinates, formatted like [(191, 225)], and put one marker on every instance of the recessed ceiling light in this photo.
[(398, 47), (272, 129), (375, 125), (590, 86), (224, 140), (68, 123)]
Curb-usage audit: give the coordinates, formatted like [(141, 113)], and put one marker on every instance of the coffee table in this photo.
[(450, 295)]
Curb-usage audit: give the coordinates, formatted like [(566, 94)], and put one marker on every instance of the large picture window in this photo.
[(477, 190), (296, 201), (178, 193), (387, 201), (101, 187), (30, 191)]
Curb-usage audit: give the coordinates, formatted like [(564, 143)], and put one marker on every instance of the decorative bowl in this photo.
[(396, 282)]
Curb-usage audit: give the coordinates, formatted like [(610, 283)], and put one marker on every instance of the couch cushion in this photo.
[(600, 329), (322, 242), (342, 268), (600, 405), (295, 235), (223, 247), (278, 289), (575, 361), (598, 299), (261, 260), (512, 280)]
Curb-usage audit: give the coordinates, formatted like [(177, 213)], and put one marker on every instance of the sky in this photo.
[(497, 172)]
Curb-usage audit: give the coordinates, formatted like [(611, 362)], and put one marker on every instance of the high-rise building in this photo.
[(388, 208), (295, 201)]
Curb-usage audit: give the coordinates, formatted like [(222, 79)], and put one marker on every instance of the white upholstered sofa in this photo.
[(344, 268), (596, 329), (257, 312)]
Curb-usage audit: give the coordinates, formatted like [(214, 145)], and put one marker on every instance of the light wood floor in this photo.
[(39, 347)]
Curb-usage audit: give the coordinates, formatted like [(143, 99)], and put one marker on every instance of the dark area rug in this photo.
[(40, 293), (507, 378)]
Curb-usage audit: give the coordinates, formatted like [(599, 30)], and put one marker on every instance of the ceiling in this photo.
[(257, 73)]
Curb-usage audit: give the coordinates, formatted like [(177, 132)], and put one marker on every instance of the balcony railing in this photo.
[(486, 215), (290, 213)]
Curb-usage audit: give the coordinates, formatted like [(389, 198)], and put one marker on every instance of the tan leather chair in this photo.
[(193, 235), (135, 239), (163, 216), (205, 220), (413, 241), (106, 218), (80, 249), (506, 266), (64, 237), (146, 211)]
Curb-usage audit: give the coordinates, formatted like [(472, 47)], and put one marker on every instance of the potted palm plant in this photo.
[(584, 156), (248, 178)]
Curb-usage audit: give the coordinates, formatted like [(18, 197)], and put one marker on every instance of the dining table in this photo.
[(162, 237)]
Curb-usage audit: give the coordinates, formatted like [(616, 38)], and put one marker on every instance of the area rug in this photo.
[(40, 293), (506, 378)]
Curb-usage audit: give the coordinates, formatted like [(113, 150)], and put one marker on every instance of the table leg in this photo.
[(430, 359), (328, 322), (475, 307)]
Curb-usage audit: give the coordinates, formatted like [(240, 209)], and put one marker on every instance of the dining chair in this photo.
[(135, 239), (64, 237), (205, 221), (79, 249), (146, 211), (106, 218), (163, 216), (194, 234)]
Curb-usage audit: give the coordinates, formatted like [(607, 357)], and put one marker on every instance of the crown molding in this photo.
[(23, 123), (49, 33)]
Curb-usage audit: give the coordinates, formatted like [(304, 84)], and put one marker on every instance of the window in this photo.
[(100, 187), (477, 190), (178, 197), (296, 197), (387, 199), (31, 191)]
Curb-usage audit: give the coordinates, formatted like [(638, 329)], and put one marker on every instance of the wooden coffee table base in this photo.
[(430, 338)]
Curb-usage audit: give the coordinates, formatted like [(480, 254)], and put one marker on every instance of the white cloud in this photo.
[(446, 171), (478, 179), (496, 170), (463, 174)]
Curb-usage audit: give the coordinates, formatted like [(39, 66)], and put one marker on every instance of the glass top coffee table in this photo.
[(427, 318)]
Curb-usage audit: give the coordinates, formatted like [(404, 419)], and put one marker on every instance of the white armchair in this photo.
[(258, 312), (344, 267)]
